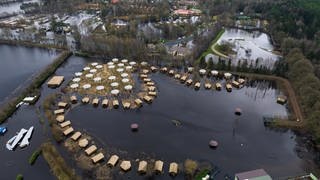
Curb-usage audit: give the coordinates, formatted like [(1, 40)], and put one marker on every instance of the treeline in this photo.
[(307, 87)]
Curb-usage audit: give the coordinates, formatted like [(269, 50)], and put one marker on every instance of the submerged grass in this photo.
[(34, 156), (56, 162)]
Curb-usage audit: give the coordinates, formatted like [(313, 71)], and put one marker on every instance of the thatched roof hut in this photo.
[(142, 168), (164, 69), (229, 87), (113, 160), (152, 93), (115, 103), (189, 82), (73, 99), (183, 79), (60, 118), (171, 72), (150, 83), (62, 105), (148, 99), (83, 142), (282, 99), (241, 80), (76, 136), (55, 81), (153, 68), (158, 166), (95, 101), (68, 131), (126, 104), (138, 102), (218, 86), (85, 100), (177, 76), (125, 165), (236, 84), (197, 85), (65, 124), (105, 103), (58, 111), (90, 150), (95, 159), (173, 169), (207, 85), (151, 88)]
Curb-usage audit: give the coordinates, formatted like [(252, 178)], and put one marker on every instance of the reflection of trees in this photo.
[(262, 89)]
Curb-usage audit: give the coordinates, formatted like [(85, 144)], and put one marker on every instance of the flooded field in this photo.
[(251, 46), (244, 142), (19, 64)]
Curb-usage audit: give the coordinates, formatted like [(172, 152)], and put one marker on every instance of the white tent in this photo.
[(86, 68), (86, 86), (93, 71), (78, 74), (99, 88), (94, 64), (124, 75), (97, 79), (76, 80), (120, 70), (74, 86), (112, 78), (115, 92), (125, 80), (99, 66), (114, 84), (128, 87), (115, 60), (132, 63), (124, 60), (89, 75)]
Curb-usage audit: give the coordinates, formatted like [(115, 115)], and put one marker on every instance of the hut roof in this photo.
[(76, 136), (126, 105), (97, 158), (105, 102), (83, 142), (125, 165), (142, 168), (95, 101), (115, 102), (60, 118), (158, 166), (65, 124), (150, 83), (138, 102), (147, 98), (177, 76), (68, 131), (91, 150), (59, 111), (55, 81), (241, 81), (113, 160), (85, 100), (73, 98), (189, 81), (152, 93), (173, 168), (62, 104), (151, 88), (218, 85), (207, 85)]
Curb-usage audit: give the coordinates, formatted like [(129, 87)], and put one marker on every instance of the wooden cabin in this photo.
[(177, 76), (197, 85), (65, 124), (76, 136), (229, 87), (235, 84), (241, 81), (152, 93), (63, 105), (153, 69), (68, 131), (164, 69), (105, 103), (173, 169), (148, 99), (151, 88), (55, 81), (60, 118), (95, 159), (142, 167), (207, 85), (58, 112), (125, 166), (218, 86), (85, 100), (73, 99), (126, 105), (158, 166), (183, 79), (138, 102), (115, 103), (83, 142), (113, 160), (189, 82), (95, 102), (281, 99), (90, 150)]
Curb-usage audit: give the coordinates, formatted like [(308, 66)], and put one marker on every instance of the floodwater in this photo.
[(257, 42), (19, 64), (11, 8), (244, 142)]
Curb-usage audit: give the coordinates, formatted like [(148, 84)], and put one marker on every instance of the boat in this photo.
[(12, 143), (25, 141), (3, 130)]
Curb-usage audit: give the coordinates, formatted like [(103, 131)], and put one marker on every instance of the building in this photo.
[(258, 174)]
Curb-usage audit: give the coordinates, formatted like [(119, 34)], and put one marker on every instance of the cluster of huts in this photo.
[(184, 79), (92, 150), (148, 83)]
